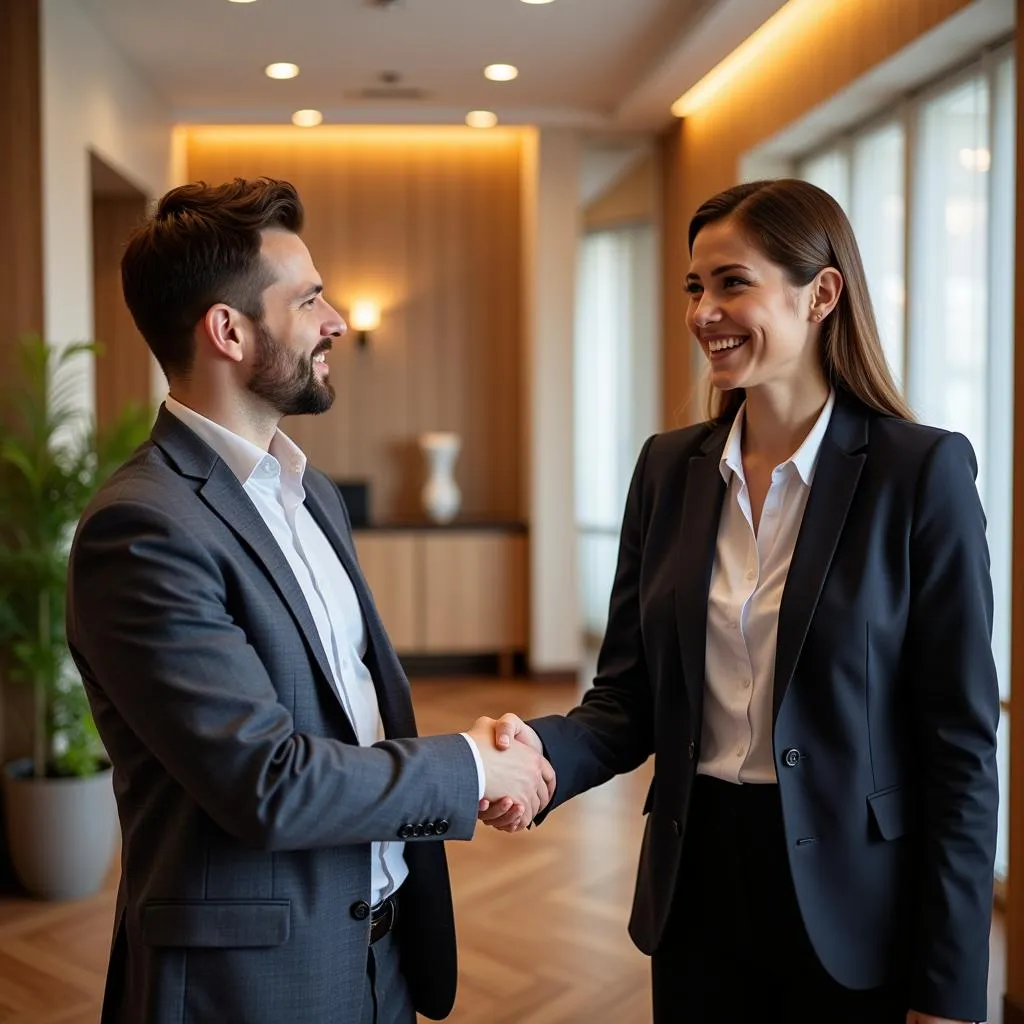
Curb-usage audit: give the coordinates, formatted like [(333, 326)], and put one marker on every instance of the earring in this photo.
[(818, 316)]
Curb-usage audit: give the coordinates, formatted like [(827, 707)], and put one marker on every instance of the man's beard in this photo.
[(287, 380)]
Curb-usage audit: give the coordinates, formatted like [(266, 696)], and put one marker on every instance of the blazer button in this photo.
[(441, 827), (792, 757), (360, 911), (429, 829), (417, 831), (677, 827), (405, 832), (691, 750)]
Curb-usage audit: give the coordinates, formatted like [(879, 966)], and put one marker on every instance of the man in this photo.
[(282, 856)]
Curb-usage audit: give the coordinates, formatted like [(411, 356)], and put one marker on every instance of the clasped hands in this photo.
[(519, 782)]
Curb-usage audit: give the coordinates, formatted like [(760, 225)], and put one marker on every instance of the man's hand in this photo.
[(506, 733), (913, 1017), (517, 777)]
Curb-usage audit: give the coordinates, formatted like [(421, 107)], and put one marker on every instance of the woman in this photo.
[(799, 631)]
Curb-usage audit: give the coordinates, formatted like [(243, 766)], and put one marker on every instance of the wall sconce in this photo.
[(363, 317)]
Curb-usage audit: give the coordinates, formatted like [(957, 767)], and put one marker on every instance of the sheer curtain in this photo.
[(615, 397)]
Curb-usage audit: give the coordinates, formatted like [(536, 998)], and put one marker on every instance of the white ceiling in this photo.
[(612, 65)]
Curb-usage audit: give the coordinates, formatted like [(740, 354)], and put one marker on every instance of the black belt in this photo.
[(383, 918)]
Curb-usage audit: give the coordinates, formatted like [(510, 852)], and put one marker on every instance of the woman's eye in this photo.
[(735, 282), (693, 288)]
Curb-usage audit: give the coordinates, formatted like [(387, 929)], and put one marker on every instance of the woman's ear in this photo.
[(825, 292)]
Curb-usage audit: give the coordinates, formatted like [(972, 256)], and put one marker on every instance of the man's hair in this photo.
[(201, 246)]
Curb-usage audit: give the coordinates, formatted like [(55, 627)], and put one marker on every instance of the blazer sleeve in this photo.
[(149, 626), (611, 731), (955, 696)]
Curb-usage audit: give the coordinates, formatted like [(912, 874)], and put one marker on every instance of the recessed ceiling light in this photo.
[(254, 1), (501, 72), (281, 70), (538, 1), (307, 118), (481, 119)]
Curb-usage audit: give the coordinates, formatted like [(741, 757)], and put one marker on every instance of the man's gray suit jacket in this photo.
[(247, 807)]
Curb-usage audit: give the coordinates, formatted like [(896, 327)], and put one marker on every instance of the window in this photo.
[(946, 320)]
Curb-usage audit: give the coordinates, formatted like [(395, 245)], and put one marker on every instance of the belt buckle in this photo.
[(382, 919)]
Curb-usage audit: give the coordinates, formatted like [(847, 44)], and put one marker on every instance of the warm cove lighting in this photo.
[(764, 42), (307, 118), (501, 72), (481, 119), (281, 70)]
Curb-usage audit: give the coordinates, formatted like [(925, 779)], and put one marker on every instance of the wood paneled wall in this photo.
[(123, 370), (427, 223), (835, 44), (21, 282), (21, 175)]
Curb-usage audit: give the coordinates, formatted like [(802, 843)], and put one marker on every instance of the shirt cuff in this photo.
[(481, 778)]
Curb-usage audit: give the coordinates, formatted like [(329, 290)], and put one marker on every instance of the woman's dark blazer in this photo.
[(886, 701)]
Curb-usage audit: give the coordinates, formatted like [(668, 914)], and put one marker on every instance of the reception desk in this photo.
[(457, 589)]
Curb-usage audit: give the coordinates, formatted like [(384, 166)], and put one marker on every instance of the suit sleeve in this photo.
[(955, 696), (611, 732), (150, 630)]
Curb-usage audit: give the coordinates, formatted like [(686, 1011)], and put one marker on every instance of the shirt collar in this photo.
[(244, 458), (804, 460)]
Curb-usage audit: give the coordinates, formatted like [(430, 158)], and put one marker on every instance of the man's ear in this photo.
[(226, 330)]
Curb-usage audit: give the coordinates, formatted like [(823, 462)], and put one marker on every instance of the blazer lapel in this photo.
[(840, 461), (698, 534), (395, 701), (224, 494)]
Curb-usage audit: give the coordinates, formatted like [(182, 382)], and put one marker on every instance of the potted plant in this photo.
[(59, 806)]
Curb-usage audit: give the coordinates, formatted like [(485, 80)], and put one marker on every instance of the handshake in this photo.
[(518, 780)]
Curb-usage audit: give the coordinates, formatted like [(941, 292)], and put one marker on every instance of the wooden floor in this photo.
[(541, 915)]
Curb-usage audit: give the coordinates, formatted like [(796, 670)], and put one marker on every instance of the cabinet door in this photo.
[(389, 563), (475, 591)]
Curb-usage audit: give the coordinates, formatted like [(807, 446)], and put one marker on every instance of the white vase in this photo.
[(441, 494)]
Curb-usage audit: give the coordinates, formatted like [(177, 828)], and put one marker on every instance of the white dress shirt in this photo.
[(747, 582), (273, 481)]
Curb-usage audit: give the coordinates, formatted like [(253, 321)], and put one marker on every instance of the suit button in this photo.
[(792, 757), (360, 911), (429, 829), (691, 750), (405, 832), (417, 831), (441, 827), (677, 827)]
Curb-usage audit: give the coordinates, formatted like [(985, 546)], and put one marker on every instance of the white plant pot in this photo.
[(441, 494), (62, 833)]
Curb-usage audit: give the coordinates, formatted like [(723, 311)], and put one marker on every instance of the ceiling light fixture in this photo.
[(538, 1), (307, 118), (501, 72), (481, 119), (241, 1), (281, 70)]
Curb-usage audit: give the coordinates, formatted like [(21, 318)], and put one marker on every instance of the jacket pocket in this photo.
[(888, 809), (221, 924)]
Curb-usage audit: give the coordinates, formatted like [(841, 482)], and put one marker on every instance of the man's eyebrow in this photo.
[(311, 290)]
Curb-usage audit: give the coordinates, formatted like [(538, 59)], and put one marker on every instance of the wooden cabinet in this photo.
[(449, 590)]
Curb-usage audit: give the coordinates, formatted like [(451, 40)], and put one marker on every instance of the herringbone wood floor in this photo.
[(541, 915)]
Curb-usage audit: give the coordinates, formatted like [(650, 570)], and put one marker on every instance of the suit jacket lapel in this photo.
[(395, 702), (224, 494), (838, 469), (698, 534)]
